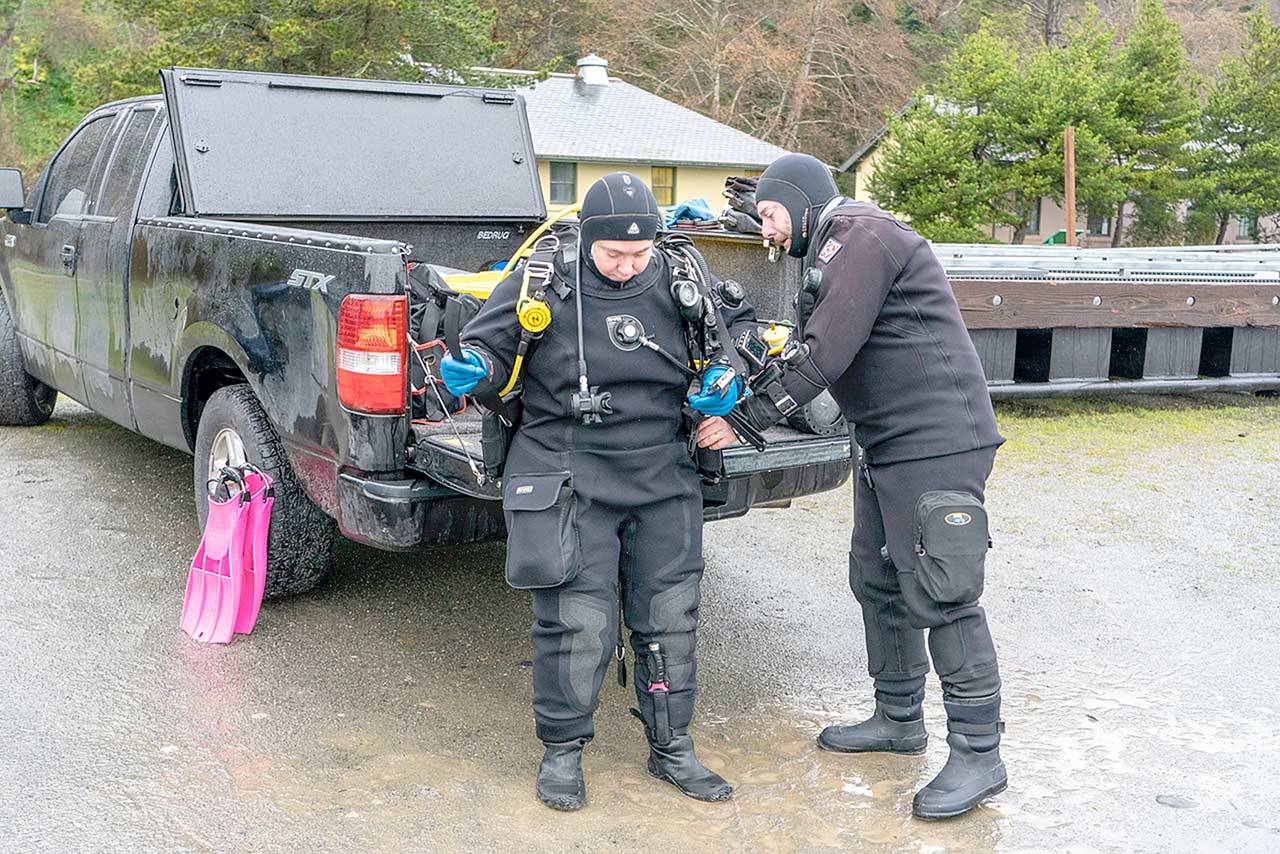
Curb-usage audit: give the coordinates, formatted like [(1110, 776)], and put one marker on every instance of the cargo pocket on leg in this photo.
[(542, 531), (952, 540)]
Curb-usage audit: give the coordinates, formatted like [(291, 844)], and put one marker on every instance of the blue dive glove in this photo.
[(461, 376), (713, 403)]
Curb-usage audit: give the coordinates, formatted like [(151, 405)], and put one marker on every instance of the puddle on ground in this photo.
[(1076, 763)]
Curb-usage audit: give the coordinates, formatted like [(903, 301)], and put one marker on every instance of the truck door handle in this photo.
[(68, 255)]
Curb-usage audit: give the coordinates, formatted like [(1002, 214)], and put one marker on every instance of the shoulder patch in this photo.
[(829, 250)]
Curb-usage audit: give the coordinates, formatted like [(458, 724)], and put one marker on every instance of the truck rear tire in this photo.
[(24, 400), (233, 429)]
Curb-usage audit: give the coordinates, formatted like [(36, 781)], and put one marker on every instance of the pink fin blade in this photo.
[(213, 586), (261, 498)]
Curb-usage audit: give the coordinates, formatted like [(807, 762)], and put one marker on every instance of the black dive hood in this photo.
[(803, 185), (618, 207)]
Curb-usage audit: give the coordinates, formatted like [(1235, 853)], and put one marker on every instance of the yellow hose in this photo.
[(515, 376), (538, 232), (481, 285)]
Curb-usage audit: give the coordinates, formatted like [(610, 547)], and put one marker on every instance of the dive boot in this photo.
[(970, 775), (676, 763), (560, 782), (891, 729)]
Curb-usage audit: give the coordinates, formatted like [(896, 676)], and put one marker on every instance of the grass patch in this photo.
[(1110, 427)]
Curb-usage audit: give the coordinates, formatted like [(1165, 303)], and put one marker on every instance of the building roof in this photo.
[(623, 123)]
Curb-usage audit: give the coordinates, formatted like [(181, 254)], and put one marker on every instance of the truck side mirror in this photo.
[(11, 192)]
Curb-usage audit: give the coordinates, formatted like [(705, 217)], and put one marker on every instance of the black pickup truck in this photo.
[(222, 269)]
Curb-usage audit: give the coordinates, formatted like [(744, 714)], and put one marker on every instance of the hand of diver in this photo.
[(461, 375), (715, 434)]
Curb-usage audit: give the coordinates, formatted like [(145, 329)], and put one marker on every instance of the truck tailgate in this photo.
[(441, 452)]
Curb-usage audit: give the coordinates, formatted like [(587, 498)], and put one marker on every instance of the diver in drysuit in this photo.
[(880, 327), (602, 501)]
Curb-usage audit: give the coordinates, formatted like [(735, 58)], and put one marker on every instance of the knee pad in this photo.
[(965, 657), (586, 645), (675, 610)]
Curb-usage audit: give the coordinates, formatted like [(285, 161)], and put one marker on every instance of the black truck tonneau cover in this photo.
[(253, 145)]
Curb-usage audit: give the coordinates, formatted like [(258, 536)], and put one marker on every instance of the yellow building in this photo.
[(589, 124)]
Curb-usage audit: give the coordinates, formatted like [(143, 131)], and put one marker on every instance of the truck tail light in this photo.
[(372, 339)]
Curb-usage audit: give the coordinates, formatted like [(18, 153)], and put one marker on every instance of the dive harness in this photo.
[(705, 331)]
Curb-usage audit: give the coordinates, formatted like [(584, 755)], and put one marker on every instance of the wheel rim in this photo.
[(44, 398), (227, 450)]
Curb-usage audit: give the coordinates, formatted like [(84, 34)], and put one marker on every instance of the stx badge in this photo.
[(310, 280), (829, 250)]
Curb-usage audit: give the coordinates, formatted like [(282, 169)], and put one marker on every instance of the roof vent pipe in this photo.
[(593, 71)]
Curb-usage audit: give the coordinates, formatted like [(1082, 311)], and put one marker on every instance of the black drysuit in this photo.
[(886, 336), (598, 510)]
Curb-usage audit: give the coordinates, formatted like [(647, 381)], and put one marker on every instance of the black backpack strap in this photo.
[(457, 311), (686, 261)]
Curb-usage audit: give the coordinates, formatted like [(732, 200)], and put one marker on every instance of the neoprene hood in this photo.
[(618, 207), (803, 185)]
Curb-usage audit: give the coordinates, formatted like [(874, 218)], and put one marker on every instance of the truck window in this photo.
[(124, 174), (159, 193), (67, 189)]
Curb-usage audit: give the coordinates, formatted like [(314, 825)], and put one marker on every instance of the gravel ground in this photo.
[(1132, 592)]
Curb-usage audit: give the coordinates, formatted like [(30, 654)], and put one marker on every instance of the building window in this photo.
[(1033, 217), (564, 183), (664, 184), (1246, 227), (1099, 225)]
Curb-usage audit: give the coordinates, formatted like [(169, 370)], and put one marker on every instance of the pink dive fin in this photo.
[(216, 579), (262, 495)]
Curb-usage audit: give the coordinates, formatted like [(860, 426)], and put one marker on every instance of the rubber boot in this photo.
[(676, 763), (974, 770), (560, 783), (893, 728)]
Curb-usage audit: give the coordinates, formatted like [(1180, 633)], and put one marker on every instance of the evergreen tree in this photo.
[(929, 173), (1238, 145), (1003, 104), (1157, 109)]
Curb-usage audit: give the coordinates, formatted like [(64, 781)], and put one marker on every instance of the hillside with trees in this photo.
[(818, 77)]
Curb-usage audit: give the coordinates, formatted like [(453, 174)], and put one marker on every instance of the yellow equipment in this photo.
[(533, 312), (775, 337), (481, 285), (478, 285)]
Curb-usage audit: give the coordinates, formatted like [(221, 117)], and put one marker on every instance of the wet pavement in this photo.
[(1133, 594)]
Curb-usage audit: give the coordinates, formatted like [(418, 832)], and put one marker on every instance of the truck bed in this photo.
[(440, 451)]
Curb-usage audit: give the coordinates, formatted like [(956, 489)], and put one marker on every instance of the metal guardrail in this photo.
[(1061, 320), (1154, 265)]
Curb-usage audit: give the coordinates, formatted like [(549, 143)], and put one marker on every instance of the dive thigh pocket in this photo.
[(952, 539), (542, 534)]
